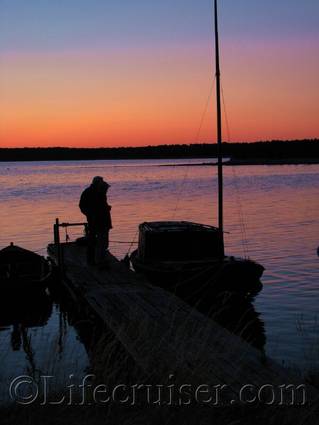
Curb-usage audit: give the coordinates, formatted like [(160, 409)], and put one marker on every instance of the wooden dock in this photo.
[(166, 336)]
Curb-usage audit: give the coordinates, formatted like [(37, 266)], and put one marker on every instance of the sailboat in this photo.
[(189, 258)]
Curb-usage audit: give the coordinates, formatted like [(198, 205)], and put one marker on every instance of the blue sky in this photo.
[(64, 24)]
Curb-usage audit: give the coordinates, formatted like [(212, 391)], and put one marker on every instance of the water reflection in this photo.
[(232, 311), (78, 316), (36, 340), (18, 314), (23, 311), (238, 315), (279, 205)]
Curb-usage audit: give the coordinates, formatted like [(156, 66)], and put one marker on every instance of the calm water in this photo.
[(271, 215)]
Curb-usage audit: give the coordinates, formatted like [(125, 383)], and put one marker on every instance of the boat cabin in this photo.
[(177, 241)]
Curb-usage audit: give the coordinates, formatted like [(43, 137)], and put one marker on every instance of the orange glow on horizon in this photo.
[(139, 98)]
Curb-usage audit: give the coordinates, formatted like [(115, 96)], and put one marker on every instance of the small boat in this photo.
[(189, 258), (21, 269), (183, 257)]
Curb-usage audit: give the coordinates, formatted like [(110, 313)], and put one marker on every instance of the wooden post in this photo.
[(55, 234)]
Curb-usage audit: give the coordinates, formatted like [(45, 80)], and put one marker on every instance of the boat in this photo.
[(184, 257), (23, 270), (189, 258)]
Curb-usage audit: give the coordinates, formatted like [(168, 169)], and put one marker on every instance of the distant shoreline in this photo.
[(257, 153), (251, 161), (265, 161)]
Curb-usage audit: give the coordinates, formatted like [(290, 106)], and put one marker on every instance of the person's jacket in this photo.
[(93, 204)]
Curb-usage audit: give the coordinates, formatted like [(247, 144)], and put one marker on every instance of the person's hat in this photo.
[(98, 180)]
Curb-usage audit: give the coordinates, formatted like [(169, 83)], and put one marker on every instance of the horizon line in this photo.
[(163, 144)]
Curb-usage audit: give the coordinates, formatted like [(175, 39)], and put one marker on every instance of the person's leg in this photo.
[(90, 252), (102, 243)]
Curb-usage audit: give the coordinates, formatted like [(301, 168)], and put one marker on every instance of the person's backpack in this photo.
[(85, 202)]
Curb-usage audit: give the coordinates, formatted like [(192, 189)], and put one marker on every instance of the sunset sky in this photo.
[(125, 73)]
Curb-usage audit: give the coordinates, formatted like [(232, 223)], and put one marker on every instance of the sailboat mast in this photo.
[(219, 138)]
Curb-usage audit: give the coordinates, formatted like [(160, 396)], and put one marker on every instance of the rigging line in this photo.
[(235, 180), (241, 215), (111, 241), (201, 123), (179, 193), (211, 89), (132, 243), (240, 209)]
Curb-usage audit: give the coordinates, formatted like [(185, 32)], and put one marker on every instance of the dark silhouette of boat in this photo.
[(183, 257), (187, 257), (23, 270)]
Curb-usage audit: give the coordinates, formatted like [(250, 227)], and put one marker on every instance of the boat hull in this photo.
[(22, 270), (205, 278)]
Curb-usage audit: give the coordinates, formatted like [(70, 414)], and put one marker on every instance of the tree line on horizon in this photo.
[(275, 149)]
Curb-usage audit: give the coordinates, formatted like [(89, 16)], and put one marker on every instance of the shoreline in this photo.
[(229, 162), (252, 161), (240, 153), (268, 161), (226, 162)]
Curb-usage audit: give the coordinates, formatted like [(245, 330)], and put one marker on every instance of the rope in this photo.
[(241, 216), (39, 250), (196, 138), (132, 243)]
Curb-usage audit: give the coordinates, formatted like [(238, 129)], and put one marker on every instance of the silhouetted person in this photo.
[(93, 204)]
